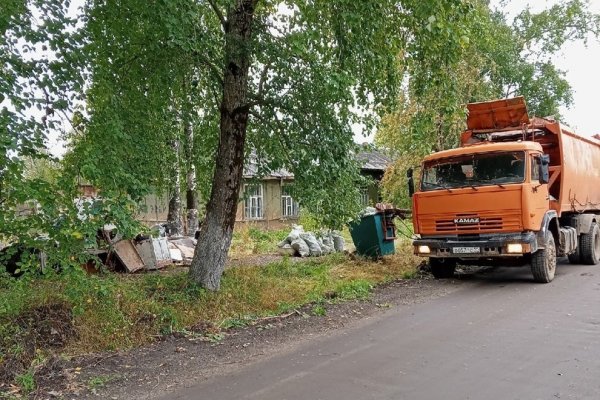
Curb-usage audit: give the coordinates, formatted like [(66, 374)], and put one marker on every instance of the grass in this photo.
[(113, 311), (97, 382), (26, 381), (319, 310), (248, 239)]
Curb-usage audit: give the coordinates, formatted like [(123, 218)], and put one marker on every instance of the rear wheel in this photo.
[(590, 245), (442, 268), (543, 262), (575, 258)]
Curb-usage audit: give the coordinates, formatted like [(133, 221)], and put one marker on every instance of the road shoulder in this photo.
[(180, 361)]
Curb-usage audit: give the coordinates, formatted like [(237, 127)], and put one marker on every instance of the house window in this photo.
[(253, 203), (364, 197), (289, 207)]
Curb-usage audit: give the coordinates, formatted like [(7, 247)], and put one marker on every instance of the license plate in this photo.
[(466, 250)]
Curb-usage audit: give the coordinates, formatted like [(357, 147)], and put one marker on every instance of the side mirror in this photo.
[(544, 168), (411, 182)]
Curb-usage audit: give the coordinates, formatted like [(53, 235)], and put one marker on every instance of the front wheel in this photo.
[(543, 262), (442, 268)]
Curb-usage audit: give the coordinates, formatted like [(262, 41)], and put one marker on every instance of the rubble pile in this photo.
[(145, 252)]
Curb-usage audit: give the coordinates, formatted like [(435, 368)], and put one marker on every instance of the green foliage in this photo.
[(26, 381), (491, 59), (253, 240), (44, 168), (356, 289), (153, 66), (309, 222), (96, 382), (41, 75), (319, 310)]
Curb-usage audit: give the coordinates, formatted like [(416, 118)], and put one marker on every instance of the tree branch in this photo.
[(219, 13), (213, 68), (263, 78), (277, 126)]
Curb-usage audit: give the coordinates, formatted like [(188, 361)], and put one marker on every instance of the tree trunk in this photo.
[(174, 222), (217, 228), (191, 190)]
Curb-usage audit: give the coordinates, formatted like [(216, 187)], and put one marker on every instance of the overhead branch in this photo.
[(257, 100), (218, 13), (276, 125), (263, 79), (216, 72), (216, 97)]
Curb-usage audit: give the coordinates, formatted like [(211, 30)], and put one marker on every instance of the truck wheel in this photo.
[(590, 245), (543, 262), (442, 268), (575, 258)]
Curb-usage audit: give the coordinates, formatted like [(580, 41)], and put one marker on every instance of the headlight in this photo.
[(515, 248), (423, 250)]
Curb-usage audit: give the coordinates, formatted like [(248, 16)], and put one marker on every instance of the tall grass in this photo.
[(113, 311), (248, 239), (120, 311)]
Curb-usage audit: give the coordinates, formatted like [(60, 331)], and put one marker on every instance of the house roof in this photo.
[(251, 170), (370, 159)]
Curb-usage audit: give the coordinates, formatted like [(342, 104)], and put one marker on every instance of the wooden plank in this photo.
[(125, 251)]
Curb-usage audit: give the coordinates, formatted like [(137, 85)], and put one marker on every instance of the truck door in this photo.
[(536, 195)]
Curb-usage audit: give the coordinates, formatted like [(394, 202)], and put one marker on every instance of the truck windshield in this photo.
[(472, 170)]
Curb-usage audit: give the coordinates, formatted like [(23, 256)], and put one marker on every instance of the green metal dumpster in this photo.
[(373, 235)]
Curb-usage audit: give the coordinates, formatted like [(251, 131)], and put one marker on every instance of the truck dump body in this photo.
[(579, 173)]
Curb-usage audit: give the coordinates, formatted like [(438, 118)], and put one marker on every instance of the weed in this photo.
[(249, 239), (319, 310), (412, 274), (235, 323), (358, 289), (97, 382), (26, 381), (309, 222), (215, 338)]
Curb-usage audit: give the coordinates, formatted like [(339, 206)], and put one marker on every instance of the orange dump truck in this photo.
[(518, 191)]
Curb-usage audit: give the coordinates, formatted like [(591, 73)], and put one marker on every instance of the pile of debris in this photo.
[(144, 252), (306, 244)]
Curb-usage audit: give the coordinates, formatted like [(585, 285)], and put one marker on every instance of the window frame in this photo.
[(287, 201), (254, 212)]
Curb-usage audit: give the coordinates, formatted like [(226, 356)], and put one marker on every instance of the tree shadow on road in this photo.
[(495, 275)]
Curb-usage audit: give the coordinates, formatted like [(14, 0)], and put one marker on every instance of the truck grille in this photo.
[(448, 225), (509, 221)]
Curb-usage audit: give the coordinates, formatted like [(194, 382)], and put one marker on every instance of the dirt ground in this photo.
[(178, 361)]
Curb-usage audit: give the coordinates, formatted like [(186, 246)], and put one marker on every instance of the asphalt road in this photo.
[(500, 336)]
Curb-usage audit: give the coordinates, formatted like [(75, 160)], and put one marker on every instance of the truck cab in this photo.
[(481, 201)]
